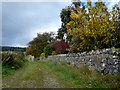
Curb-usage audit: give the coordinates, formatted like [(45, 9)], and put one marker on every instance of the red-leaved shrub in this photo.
[(60, 47)]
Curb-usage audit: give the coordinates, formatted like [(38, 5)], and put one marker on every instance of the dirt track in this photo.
[(31, 76)]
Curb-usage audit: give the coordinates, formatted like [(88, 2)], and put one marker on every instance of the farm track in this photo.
[(31, 77)]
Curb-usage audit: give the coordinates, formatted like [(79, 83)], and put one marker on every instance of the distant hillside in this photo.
[(16, 49)]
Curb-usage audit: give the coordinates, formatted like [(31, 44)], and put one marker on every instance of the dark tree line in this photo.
[(16, 49)]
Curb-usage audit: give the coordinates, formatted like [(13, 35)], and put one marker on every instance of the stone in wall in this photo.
[(104, 60), (29, 58)]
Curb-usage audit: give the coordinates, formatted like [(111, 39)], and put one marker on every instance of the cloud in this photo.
[(36, 0), (22, 21), (53, 27), (0, 23), (112, 3)]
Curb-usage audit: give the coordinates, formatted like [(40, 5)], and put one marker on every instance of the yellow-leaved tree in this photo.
[(94, 26)]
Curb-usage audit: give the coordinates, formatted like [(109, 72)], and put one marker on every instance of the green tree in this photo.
[(48, 50), (116, 19), (65, 18), (37, 44), (75, 47)]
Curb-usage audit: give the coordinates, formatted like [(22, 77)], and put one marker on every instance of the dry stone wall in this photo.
[(105, 60)]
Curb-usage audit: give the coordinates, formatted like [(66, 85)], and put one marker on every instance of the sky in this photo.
[(21, 21)]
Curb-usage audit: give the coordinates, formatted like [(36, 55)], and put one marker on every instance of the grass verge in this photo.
[(71, 76), (7, 71), (28, 76)]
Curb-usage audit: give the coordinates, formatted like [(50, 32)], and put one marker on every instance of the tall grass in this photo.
[(11, 62), (82, 77)]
